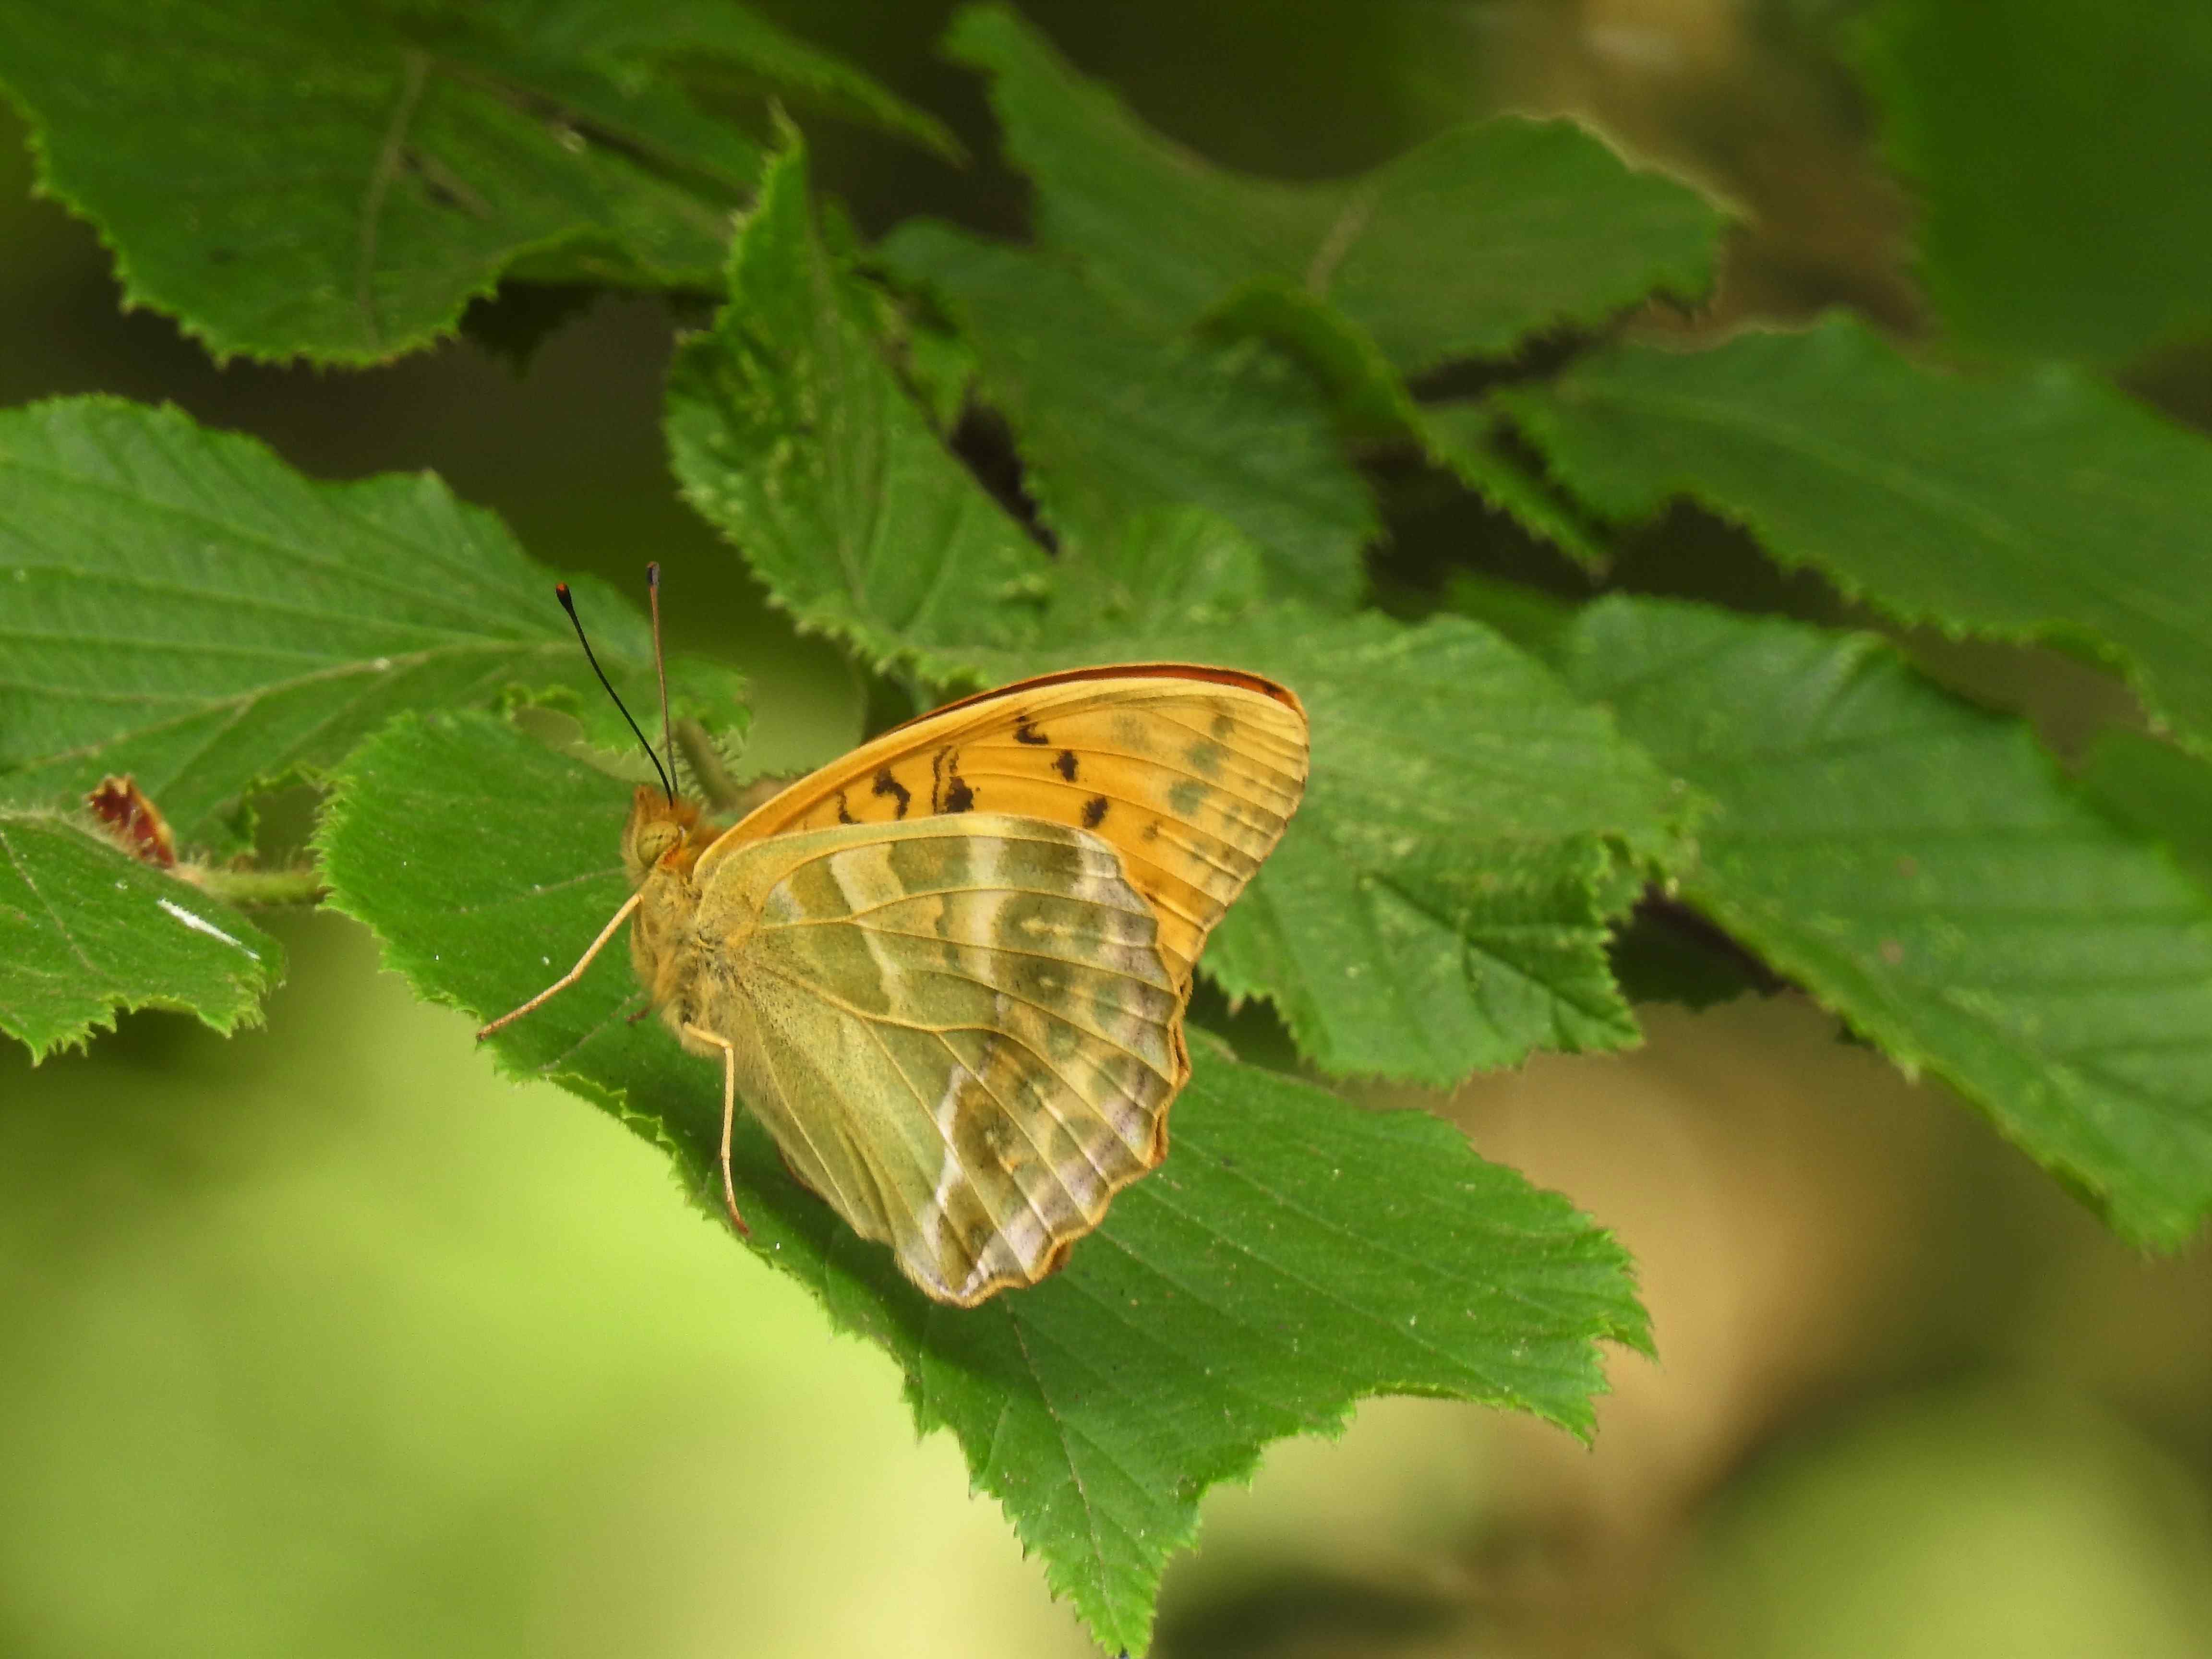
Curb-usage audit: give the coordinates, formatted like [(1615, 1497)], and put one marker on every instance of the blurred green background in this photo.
[(326, 1340)]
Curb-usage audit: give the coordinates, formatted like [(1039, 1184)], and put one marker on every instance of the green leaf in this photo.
[(791, 434), (1111, 422), (2036, 506), (182, 606), (86, 929), (2062, 158), (1919, 866), (1463, 248), (1292, 1255), (339, 181), (2157, 791), (1440, 903)]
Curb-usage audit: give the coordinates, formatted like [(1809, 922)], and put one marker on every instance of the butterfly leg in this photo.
[(567, 979), (729, 1117)]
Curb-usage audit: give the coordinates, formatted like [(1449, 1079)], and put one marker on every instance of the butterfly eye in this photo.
[(649, 842)]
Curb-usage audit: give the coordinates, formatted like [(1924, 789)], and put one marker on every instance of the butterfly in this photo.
[(948, 971)]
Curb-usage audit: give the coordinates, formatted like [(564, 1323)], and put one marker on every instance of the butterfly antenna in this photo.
[(569, 605), (659, 662)]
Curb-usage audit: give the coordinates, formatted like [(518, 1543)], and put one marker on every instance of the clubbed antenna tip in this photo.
[(568, 605)]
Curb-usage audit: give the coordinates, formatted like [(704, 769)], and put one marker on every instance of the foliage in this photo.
[(1203, 381), (1918, 865), (2064, 167), (1459, 248), (355, 174), (187, 608), (85, 929), (1290, 1258), (1442, 904), (2030, 505)]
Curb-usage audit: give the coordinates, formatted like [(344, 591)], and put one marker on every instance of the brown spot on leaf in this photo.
[(134, 821)]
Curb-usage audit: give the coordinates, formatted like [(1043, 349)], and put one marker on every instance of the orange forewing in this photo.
[(1190, 773)]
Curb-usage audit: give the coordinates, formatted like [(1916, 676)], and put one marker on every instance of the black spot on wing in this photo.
[(1024, 733), (1065, 764), (885, 784), (948, 791), (1094, 812), (844, 812)]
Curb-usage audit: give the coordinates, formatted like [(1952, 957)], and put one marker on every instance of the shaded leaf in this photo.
[(1918, 865), (1374, 406), (1464, 436), (86, 929), (2030, 505), (1112, 423), (1461, 247), (1292, 1255), (2157, 791), (635, 42), (339, 181), (1664, 952), (1369, 395), (2061, 155), (182, 606)]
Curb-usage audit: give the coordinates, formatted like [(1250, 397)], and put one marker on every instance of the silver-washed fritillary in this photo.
[(948, 971)]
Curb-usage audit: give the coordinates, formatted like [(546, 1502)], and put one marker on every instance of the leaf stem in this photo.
[(300, 884)]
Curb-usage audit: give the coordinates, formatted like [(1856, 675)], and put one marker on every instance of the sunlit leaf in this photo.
[(791, 434), (1293, 1253), (86, 930), (178, 605)]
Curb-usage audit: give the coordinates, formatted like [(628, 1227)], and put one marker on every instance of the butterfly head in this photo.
[(661, 833)]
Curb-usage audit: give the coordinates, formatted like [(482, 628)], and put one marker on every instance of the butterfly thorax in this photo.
[(661, 845)]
